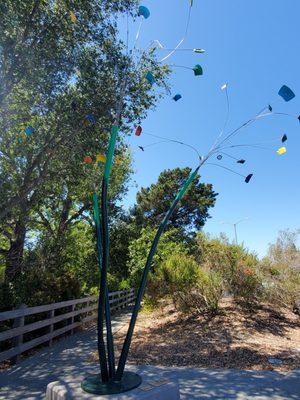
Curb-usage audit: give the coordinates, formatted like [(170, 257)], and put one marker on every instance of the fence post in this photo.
[(126, 298), (116, 300), (51, 315), (87, 304), (18, 340), (72, 318), (132, 295)]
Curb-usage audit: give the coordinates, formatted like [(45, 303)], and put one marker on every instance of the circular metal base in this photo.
[(93, 384)]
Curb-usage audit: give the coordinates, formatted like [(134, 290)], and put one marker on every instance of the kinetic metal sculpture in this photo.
[(112, 379)]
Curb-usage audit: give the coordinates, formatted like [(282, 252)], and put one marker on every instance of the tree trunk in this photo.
[(14, 255), (64, 217), (58, 239)]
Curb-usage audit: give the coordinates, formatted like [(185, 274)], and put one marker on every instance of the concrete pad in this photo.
[(158, 389)]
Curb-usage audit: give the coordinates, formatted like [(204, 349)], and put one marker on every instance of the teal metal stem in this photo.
[(100, 341), (109, 335), (105, 262), (127, 342)]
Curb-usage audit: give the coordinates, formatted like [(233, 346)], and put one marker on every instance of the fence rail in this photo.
[(54, 320)]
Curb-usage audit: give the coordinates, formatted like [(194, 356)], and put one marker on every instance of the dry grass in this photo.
[(234, 339)]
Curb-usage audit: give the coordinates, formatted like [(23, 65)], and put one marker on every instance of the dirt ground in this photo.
[(234, 339)]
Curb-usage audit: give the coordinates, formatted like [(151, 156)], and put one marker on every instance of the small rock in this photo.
[(275, 361), (297, 349)]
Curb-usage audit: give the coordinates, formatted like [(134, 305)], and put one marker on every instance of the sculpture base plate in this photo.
[(93, 384)]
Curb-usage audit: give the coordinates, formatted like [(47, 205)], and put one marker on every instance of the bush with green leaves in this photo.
[(246, 284), (281, 271), (170, 243), (281, 284), (229, 260), (282, 289), (192, 289), (36, 287), (210, 287)]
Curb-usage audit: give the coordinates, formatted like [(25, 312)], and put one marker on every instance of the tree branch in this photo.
[(77, 214), (45, 222)]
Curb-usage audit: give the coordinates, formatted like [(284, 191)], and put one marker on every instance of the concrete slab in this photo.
[(70, 389)]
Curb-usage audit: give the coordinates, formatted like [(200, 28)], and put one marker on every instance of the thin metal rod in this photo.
[(235, 131), (228, 155), (235, 234), (254, 146), (183, 39), (226, 120), (127, 342), (155, 143), (181, 66), (227, 169), (174, 141), (164, 49)]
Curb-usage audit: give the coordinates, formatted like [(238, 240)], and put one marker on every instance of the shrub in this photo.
[(210, 287), (36, 287), (285, 250), (283, 287), (203, 297), (191, 288), (179, 272), (246, 284), (237, 266), (281, 271), (217, 254), (138, 252), (124, 284)]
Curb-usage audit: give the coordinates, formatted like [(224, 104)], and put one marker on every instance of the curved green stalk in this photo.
[(105, 261), (110, 345), (127, 342)]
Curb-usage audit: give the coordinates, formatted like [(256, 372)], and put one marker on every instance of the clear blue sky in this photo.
[(254, 46)]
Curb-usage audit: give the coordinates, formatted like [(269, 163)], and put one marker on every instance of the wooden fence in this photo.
[(50, 321)]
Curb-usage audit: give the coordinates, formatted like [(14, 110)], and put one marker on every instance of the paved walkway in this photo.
[(28, 380)]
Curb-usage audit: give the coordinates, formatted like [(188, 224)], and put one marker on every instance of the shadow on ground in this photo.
[(231, 384), (70, 358)]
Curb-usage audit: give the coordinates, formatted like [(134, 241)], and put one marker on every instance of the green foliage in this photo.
[(2, 273), (125, 284), (196, 280), (281, 271), (276, 279), (179, 272), (122, 234), (112, 282), (139, 249), (285, 251), (209, 289), (53, 73), (246, 284), (191, 288), (283, 287), (153, 202), (217, 254), (37, 287)]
